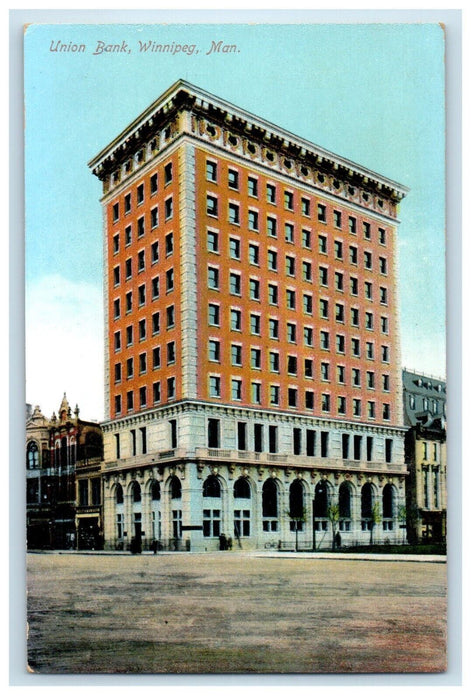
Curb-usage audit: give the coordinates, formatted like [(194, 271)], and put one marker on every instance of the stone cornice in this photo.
[(213, 119)]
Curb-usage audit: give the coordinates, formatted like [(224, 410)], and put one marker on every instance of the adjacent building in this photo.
[(425, 416), (57, 449), (253, 381)]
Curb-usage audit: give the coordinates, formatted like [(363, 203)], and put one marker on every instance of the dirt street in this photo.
[(230, 612)]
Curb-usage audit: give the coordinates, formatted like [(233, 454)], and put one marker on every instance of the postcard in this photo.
[(235, 348)]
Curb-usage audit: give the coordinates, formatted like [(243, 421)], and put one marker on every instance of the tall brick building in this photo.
[(253, 372)]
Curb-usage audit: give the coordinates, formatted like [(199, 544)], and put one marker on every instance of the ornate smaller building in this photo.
[(55, 449), (425, 453)]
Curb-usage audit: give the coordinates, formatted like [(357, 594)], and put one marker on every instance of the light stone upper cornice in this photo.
[(231, 120)]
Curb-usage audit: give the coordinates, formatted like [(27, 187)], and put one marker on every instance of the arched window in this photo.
[(388, 501), (345, 501), (175, 487), (212, 487), (155, 491), (296, 500), (367, 501), (32, 456), (270, 499), (119, 494), (321, 500), (136, 492), (242, 488)]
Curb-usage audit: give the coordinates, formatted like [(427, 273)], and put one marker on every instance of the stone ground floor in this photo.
[(233, 612)]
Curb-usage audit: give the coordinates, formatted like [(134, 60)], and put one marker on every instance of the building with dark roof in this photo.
[(425, 453)]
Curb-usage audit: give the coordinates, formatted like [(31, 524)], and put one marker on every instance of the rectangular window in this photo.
[(141, 227), (297, 442), (236, 320), (156, 358), (271, 194), (211, 205), (241, 436), (252, 186), (156, 392), (236, 355), (306, 238), (366, 230), (273, 328), (168, 173), (213, 432), (310, 443), (140, 194), (155, 323), (234, 283), (289, 233), (353, 255), (254, 288), (256, 392), (337, 219), (352, 224), (154, 183), (128, 235), (214, 389), (233, 179), (213, 314), (274, 395), (338, 250), (305, 206), (253, 220), (322, 244), (211, 171), (258, 437), (212, 241), (288, 199), (255, 324), (271, 226), (236, 389), (274, 359), (321, 213), (234, 213), (213, 278), (154, 252), (324, 338)]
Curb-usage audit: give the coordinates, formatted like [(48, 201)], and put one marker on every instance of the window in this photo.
[(271, 226), (366, 230), (321, 213), (236, 355), (322, 244), (369, 351), (252, 186), (356, 377), (383, 267), (352, 224), (155, 323), (116, 276), (128, 235), (339, 281), (292, 366), (116, 211), (325, 369), (169, 279), (214, 350), (288, 199), (141, 294), (128, 268), (142, 398), (214, 388), (213, 241), (384, 353), (370, 380), (253, 220), (338, 250), (386, 411), (355, 347), (255, 358), (353, 255), (325, 402), (141, 227), (383, 295), (117, 308), (290, 299), (141, 261), (153, 183), (253, 253), (305, 206), (289, 233), (129, 368), (371, 409), (154, 252), (254, 289), (354, 317), (168, 208), (130, 400), (211, 205), (272, 260), (256, 393), (324, 337), (117, 372), (337, 219), (354, 286), (292, 397), (233, 179), (356, 408), (291, 332), (117, 341), (323, 308), (211, 171), (156, 392), (339, 313), (117, 404), (213, 278), (236, 389), (233, 213), (323, 276), (306, 238), (255, 324), (234, 283), (142, 363), (171, 388), (234, 248), (170, 316), (274, 359), (308, 368), (241, 437), (340, 343), (142, 329), (116, 243), (382, 236), (156, 357), (307, 271), (368, 291), (213, 314), (308, 336), (273, 294), (369, 320), (290, 266), (171, 353), (384, 325), (211, 522), (140, 194), (273, 328), (236, 320), (368, 259), (271, 194), (168, 173), (385, 380), (309, 399)]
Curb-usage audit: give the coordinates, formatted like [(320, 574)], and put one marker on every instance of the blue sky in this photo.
[(373, 93)]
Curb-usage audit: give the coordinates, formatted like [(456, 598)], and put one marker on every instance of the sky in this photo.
[(371, 93)]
